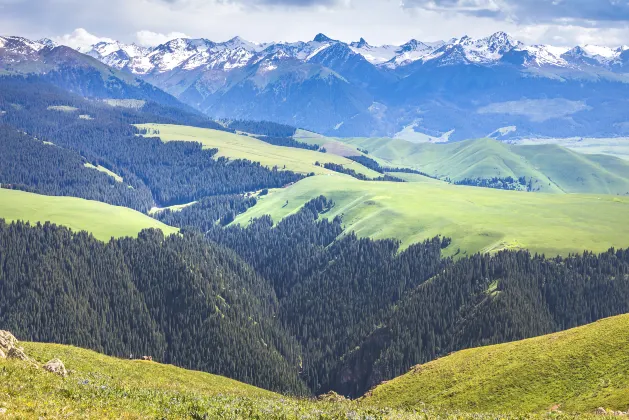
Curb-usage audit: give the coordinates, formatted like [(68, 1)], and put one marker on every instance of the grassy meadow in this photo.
[(238, 146), (99, 386), (102, 220), (556, 168), (477, 219), (577, 370)]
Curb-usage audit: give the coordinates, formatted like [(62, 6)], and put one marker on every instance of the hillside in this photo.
[(477, 219), (99, 386), (576, 370), (237, 146), (553, 168), (102, 220), (513, 379)]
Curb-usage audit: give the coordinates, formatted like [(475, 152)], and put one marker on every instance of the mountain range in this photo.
[(438, 91)]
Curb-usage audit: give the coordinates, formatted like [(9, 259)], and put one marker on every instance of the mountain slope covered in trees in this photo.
[(180, 299), (163, 174)]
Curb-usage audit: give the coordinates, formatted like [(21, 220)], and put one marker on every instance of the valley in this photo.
[(135, 388), (202, 229)]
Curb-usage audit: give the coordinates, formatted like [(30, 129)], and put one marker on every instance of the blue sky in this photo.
[(559, 22)]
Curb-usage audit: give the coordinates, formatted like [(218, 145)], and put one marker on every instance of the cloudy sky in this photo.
[(148, 22)]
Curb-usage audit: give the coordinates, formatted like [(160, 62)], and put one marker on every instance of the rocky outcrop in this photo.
[(331, 397), (610, 413), (7, 341), (9, 348), (57, 367), (17, 353)]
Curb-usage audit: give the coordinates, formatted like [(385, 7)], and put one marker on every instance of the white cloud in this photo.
[(80, 39), (150, 22), (151, 39)]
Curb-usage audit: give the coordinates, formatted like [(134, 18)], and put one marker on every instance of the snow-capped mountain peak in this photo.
[(498, 48), (362, 43)]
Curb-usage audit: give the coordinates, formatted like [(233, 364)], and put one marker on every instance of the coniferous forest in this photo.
[(299, 306)]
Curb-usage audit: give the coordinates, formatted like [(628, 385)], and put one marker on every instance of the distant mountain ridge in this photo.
[(190, 54), (456, 89)]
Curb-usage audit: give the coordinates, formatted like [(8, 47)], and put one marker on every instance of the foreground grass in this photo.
[(576, 370), (477, 219), (244, 147), (103, 387), (102, 220)]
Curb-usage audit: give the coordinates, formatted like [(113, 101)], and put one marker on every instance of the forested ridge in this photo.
[(31, 165), (299, 306), (365, 313), (175, 173), (296, 307), (180, 299)]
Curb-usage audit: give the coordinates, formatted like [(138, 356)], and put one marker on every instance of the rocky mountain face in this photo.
[(455, 89), (78, 73)]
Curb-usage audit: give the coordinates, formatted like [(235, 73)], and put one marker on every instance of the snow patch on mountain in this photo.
[(191, 54)]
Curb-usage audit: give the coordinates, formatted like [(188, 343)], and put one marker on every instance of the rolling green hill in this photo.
[(105, 387), (99, 386), (576, 370), (102, 220), (553, 167), (237, 146), (477, 219)]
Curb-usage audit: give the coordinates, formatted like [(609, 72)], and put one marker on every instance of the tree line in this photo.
[(174, 172)]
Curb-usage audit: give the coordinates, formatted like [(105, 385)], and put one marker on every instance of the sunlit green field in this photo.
[(576, 370), (102, 220), (99, 387), (555, 168), (237, 146), (477, 219)]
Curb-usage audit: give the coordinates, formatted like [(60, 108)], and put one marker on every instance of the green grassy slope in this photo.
[(575, 172), (102, 220), (477, 219), (578, 370), (104, 387), (244, 147), (557, 169)]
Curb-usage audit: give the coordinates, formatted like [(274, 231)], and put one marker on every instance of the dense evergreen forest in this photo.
[(507, 183), (364, 312), (204, 214), (31, 165), (348, 171), (262, 128), (175, 172), (484, 300), (372, 164), (180, 299), (288, 142)]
